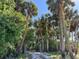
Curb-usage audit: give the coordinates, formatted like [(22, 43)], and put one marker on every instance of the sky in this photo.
[(77, 4), (43, 8)]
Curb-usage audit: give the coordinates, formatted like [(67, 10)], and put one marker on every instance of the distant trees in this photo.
[(45, 31)]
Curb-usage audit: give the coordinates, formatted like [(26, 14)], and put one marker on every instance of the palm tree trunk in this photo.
[(47, 45), (61, 22), (20, 45), (47, 36)]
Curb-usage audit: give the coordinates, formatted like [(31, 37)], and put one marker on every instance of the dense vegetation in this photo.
[(12, 23), (18, 33)]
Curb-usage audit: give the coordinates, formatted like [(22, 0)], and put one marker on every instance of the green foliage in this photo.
[(21, 5), (54, 53), (53, 45), (11, 26), (31, 40), (21, 56)]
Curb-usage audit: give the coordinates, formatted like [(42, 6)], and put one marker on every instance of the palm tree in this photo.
[(44, 31), (28, 9), (54, 7), (60, 14)]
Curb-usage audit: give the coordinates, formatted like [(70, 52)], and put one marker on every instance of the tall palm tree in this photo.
[(28, 9), (57, 7), (67, 10)]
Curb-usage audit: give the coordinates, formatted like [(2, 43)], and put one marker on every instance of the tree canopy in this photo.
[(12, 23)]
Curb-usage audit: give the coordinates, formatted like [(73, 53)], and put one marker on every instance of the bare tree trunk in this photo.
[(40, 47), (61, 22), (42, 43), (47, 45), (47, 41)]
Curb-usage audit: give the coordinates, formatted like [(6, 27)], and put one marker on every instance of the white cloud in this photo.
[(73, 0)]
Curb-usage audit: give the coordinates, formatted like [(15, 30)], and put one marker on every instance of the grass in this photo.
[(21, 56), (54, 53)]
